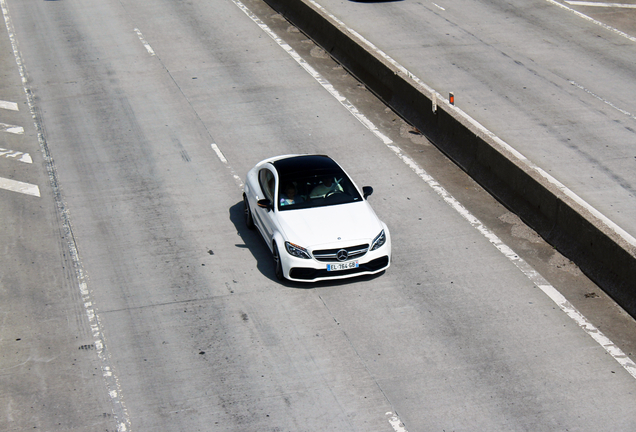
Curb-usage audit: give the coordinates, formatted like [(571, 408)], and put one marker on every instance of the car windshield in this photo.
[(316, 189)]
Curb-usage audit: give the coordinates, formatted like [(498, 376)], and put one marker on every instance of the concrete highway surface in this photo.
[(133, 297), (555, 80)]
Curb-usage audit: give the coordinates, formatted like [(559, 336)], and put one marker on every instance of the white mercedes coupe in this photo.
[(315, 220)]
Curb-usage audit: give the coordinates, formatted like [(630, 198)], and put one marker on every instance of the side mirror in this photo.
[(265, 203), (366, 191)]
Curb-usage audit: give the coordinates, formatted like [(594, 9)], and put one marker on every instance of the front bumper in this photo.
[(312, 270), (307, 274)]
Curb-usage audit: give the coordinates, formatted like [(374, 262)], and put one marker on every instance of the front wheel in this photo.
[(249, 220), (278, 270)]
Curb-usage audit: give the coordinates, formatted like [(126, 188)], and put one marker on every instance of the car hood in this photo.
[(331, 225)]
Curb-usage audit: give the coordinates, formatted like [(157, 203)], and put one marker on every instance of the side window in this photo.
[(267, 182)]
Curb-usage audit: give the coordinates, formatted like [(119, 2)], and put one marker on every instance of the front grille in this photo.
[(331, 255)]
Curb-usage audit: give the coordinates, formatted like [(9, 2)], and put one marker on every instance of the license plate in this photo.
[(342, 266)]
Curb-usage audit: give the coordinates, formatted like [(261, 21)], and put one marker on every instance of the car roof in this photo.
[(306, 165)]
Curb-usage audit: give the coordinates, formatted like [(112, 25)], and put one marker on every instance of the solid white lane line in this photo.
[(599, 337), (17, 155), (520, 263), (111, 380), (143, 41), (622, 111), (592, 20), (599, 4), (9, 105), (20, 187), (19, 130)]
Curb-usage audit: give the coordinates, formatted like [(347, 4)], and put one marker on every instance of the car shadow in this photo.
[(253, 241)]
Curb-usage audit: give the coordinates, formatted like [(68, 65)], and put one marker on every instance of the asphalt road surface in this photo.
[(132, 297)]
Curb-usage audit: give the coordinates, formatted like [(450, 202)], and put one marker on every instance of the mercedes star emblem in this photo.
[(342, 255)]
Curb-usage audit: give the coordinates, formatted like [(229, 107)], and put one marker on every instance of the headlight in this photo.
[(379, 241), (297, 251)]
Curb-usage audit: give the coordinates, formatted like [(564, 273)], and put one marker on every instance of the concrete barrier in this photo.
[(602, 251)]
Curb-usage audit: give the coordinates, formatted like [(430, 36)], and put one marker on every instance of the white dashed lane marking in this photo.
[(143, 41), (14, 185), (16, 155), (20, 187), (11, 129), (395, 422), (5, 183), (9, 105)]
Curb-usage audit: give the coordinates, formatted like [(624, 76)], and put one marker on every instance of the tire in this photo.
[(249, 220), (278, 266)]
